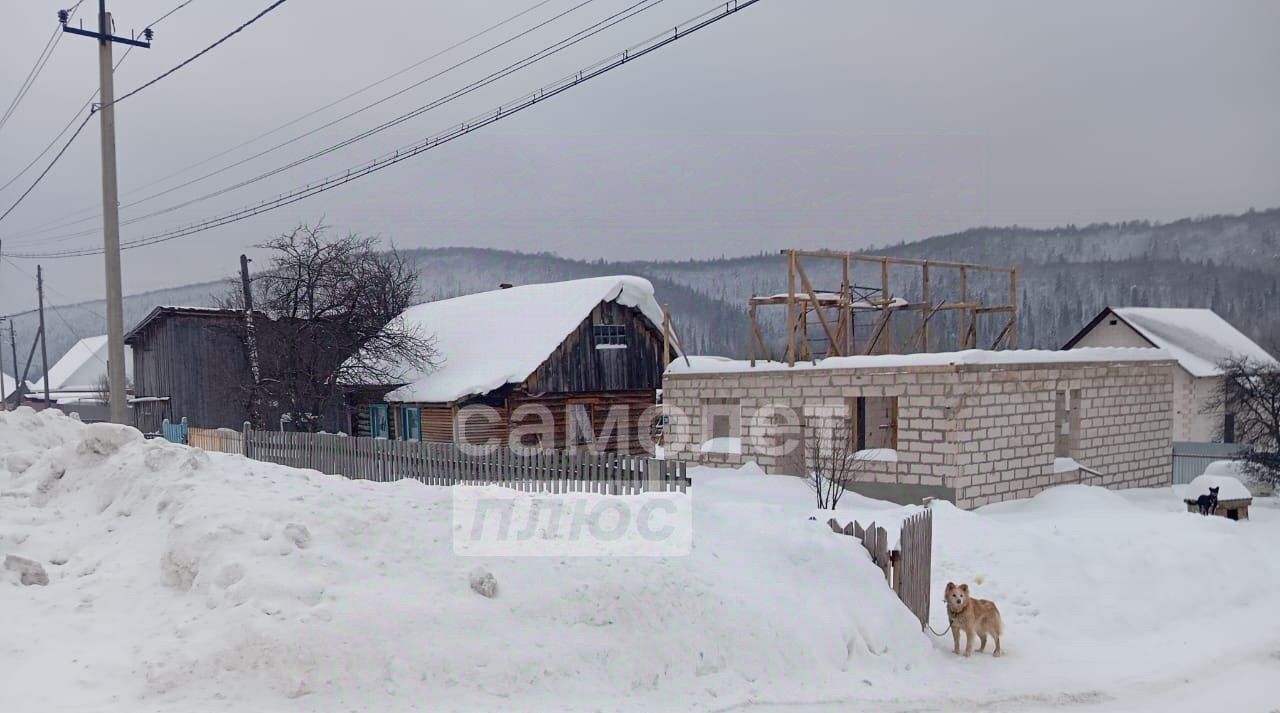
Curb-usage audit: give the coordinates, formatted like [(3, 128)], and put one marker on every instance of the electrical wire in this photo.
[(199, 54), (685, 29), (66, 128), (36, 69), (46, 170), (551, 50), (67, 222), (182, 64)]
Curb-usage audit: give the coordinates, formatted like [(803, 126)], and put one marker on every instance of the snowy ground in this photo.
[(186, 581)]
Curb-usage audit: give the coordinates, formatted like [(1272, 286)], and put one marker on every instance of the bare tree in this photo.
[(1250, 394), (331, 307), (831, 458)]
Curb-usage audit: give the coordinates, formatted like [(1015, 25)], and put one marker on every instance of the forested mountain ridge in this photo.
[(1228, 263)]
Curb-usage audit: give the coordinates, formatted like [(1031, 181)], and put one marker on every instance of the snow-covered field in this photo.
[(190, 581)]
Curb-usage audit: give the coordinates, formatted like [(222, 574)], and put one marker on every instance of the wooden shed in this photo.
[(557, 365), (189, 362)]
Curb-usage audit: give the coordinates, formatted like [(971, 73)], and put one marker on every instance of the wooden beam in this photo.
[(1013, 302), (877, 330), (859, 257), (924, 326), (964, 316), (791, 308), (817, 308)]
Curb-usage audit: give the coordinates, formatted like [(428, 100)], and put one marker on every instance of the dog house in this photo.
[(1234, 498)]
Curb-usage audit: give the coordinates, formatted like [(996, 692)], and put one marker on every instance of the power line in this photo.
[(584, 75), (55, 308), (66, 128), (46, 170), (579, 36), (87, 102), (202, 52), (36, 69), (65, 223), (182, 64), (160, 19)]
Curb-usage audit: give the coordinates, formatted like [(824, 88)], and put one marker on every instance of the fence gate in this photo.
[(174, 432), (1191, 458), (907, 569)]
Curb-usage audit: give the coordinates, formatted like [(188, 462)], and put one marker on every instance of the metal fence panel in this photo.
[(1191, 458)]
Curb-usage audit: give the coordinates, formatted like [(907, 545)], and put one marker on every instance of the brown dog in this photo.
[(972, 616)]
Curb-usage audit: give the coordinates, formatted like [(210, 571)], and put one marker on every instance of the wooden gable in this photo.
[(626, 355)]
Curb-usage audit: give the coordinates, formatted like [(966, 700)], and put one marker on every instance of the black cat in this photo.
[(1208, 503)]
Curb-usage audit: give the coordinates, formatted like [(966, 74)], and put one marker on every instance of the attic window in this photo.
[(609, 336), (1113, 322)]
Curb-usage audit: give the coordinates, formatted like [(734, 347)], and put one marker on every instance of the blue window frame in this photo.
[(379, 425), (410, 423)]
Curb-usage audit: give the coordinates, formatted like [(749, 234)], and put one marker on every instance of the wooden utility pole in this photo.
[(250, 341), (4, 397), (18, 387), (110, 205), (44, 352)]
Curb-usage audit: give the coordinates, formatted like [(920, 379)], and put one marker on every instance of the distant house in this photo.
[(76, 379), (189, 362), (1198, 339), (587, 353)]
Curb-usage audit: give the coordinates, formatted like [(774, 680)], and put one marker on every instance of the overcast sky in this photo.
[(837, 123)]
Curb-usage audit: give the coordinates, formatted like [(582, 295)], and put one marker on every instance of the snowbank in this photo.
[(1229, 488), (181, 580)]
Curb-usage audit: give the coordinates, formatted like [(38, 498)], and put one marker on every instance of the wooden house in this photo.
[(573, 364), (189, 362)]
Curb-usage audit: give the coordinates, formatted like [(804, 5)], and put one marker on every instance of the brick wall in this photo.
[(977, 433)]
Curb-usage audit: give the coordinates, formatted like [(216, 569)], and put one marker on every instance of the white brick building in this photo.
[(1199, 340), (972, 427)]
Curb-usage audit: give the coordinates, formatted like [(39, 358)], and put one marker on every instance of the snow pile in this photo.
[(488, 339), (181, 580), (1198, 338), (1229, 488)]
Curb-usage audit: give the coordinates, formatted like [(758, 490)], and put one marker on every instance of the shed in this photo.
[(563, 364), (189, 362)]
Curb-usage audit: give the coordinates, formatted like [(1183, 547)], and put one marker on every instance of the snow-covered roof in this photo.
[(705, 364), (489, 339), (1198, 338), (82, 367)]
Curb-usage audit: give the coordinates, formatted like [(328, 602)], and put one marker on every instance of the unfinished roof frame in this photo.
[(834, 311)]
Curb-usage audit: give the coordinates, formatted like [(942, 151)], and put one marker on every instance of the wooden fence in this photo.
[(216, 439), (906, 569), (383, 460)]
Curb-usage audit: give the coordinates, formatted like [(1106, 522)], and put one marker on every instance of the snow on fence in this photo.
[(906, 569), (1191, 458), (383, 460)]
